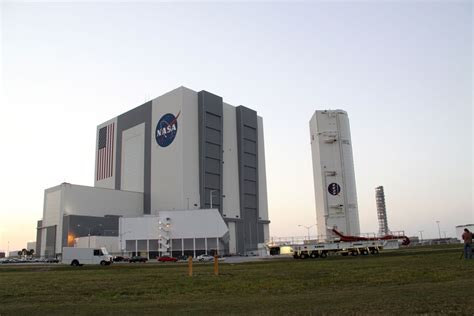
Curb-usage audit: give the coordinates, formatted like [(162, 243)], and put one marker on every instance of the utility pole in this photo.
[(307, 227), (439, 231)]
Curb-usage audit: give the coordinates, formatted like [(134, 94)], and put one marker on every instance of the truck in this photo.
[(80, 256)]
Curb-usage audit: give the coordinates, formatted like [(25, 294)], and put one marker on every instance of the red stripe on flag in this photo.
[(107, 168), (112, 136), (105, 155)]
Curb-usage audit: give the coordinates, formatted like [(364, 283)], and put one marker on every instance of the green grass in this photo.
[(412, 281)]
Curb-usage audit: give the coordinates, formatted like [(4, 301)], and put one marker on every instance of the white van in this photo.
[(79, 256)]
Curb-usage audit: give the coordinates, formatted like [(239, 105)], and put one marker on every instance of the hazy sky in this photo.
[(402, 71)]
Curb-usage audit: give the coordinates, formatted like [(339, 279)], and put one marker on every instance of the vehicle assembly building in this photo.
[(186, 152), (333, 171)]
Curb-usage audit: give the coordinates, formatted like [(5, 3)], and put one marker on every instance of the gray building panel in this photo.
[(81, 226), (142, 245), (260, 232), (153, 244), (138, 115), (38, 237), (50, 247), (210, 114), (249, 232)]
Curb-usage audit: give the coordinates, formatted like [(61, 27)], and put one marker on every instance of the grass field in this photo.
[(412, 281)]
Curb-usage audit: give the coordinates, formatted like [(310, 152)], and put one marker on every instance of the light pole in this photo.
[(307, 227), (121, 242), (88, 234), (439, 231), (210, 195)]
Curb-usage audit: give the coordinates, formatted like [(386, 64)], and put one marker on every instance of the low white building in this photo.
[(185, 232), (72, 211)]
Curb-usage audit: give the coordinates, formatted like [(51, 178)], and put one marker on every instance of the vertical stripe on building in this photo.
[(105, 152)]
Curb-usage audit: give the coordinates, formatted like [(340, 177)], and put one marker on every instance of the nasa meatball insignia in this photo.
[(166, 129), (334, 188)]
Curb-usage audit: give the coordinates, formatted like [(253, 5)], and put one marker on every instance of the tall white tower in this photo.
[(381, 211), (333, 170)]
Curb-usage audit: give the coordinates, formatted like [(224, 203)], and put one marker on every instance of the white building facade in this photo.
[(333, 171)]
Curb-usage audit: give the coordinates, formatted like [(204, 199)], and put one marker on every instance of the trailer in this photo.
[(356, 248), (349, 245)]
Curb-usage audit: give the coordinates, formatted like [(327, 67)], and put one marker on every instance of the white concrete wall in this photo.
[(70, 199), (232, 239), (190, 131), (167, 162), (107, 182), (352, 211), (52, 215), (175, 168), (133, 158), (266, 232), (111, 243), (138, 228), (202, 223), (231, 202), (319, 184), (52, 207), (91, 201)]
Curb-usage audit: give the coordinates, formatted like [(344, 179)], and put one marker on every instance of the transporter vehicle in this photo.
[(404, 239), (322, 250), (167, 259), (80, 256), (349, 245)]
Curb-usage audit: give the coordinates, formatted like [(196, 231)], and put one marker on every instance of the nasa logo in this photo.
[(334, 188), (166, 129)]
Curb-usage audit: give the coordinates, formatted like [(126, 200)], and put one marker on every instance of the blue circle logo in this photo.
[(334, 189), (166, 129)]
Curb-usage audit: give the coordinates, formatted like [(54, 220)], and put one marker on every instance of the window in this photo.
[(98, 252)]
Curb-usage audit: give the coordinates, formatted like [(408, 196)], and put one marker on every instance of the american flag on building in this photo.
[(105, 151)]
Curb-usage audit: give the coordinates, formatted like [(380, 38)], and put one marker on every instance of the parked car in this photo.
[(204, 258), (167, 259), (121, 259), (138, 259), (182, 258)]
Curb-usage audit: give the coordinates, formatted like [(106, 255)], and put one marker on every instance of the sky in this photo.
[(402, 70)]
